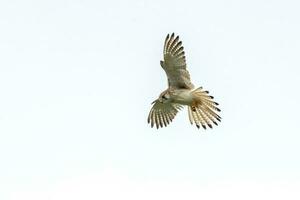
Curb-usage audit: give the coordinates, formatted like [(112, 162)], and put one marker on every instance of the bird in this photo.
[(202, 109)]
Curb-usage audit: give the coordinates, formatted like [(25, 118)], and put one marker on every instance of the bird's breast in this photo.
[(182, 97)]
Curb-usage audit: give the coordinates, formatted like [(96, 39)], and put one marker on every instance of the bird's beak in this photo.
[(154, 102)]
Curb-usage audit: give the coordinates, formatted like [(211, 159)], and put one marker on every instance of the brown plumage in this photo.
[(202, 110)]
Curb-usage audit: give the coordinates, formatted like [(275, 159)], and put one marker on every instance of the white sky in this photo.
[(77, 79)]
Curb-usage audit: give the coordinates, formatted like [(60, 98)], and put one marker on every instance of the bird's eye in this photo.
[(164, 97)]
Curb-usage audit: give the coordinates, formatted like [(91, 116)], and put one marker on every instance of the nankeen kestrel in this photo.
[(201, 108)]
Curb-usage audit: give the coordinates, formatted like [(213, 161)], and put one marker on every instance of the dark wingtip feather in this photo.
[(210, 126), (215, 123), (218, 109), (197, 126), (211, 97), (204, 126)]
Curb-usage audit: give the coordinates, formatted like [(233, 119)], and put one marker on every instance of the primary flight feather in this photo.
[(202, 110)]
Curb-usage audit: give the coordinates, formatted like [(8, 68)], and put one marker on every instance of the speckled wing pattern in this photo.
[(161, 114), (174, 64)]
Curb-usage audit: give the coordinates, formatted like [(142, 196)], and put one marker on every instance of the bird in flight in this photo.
[(202, 109)]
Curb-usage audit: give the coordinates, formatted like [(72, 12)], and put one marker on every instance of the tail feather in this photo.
[(203, 109), (196, 118), (202, 118)]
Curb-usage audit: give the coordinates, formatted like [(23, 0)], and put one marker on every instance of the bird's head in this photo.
[(164, 97)]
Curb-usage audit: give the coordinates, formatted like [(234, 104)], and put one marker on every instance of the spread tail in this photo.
[(203, 110)]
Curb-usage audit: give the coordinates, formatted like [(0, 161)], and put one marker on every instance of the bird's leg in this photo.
[(195, 104), (193, 108)]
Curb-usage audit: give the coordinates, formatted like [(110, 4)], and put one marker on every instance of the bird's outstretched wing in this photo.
[(174, 64), (161, 114)]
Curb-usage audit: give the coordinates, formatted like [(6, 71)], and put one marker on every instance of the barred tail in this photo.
[(203, 110)]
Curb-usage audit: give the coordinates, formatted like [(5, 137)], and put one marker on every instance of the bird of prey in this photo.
[(202, 109)]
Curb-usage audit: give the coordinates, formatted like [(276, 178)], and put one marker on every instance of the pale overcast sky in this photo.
[(77, 79)]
